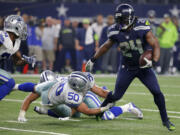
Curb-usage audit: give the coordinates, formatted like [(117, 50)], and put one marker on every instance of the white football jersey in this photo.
[(61, 93), (6, 45)]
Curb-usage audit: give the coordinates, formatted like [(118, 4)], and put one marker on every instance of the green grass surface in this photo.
[(123, 125)]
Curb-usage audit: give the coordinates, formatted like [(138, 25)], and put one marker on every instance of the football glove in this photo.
[(149, 63), (21, 117), (89, 65), (107, 107), (30, 60)]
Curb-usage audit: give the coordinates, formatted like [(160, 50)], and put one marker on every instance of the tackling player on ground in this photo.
[(15, 30), (68, 96), (134, 36)]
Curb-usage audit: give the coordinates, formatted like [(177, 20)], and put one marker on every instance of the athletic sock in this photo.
[(116, 110), (26, 87), (125, 108), (52, 114)]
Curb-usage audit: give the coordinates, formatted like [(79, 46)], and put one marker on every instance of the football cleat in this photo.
[(40, 110), (170, 126), (135, 111)]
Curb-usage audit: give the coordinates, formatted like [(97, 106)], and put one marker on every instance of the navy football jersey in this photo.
[(132, 43)]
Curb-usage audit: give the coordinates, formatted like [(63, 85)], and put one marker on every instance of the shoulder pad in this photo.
[(5, 40), (112, 30), (142, 24), (90, 78)]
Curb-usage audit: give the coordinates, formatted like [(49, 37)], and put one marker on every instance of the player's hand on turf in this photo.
[(30, 60), (148, 63), (21, 117), (89, 66), (107, 107)]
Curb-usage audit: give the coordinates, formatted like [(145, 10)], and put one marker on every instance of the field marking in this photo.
[(15, 121), (147, 94), (152, 110), (139, 85), (19, 101), (31, 131), (143, 109), (177, 117), (123, 118)]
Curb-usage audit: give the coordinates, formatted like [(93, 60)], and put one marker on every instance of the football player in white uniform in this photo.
[(15, 30), (67, 96)]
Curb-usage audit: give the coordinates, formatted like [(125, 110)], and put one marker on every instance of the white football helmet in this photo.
[(78, 81), (47, 75), (16, 25)]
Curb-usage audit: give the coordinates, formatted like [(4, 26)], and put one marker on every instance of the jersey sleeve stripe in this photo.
[(113, 33), (142, 28)]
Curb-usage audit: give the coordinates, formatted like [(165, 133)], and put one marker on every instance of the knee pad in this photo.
[(11, 83), (6, 88), (91, 100)]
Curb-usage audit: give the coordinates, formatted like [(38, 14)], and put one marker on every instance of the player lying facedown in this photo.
[(70, 96), (15, 30)]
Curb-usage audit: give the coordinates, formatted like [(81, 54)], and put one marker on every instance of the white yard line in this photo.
[(143, 109), (96, 75), (31, 131), (19, 101), (138, 85), (15, 121), (147, 94), (177, 117), (152, 110)]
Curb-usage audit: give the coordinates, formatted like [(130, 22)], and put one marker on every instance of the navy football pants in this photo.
[(148, 78)]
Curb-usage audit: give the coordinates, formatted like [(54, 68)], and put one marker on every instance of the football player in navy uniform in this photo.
[(134, 37)]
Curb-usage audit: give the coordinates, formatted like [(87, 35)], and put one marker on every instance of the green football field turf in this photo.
[(86, 125)]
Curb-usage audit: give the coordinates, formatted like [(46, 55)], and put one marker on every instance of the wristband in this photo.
[(22, 113), (93, 59)]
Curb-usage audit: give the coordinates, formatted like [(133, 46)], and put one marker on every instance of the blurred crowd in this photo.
[(65, 45)]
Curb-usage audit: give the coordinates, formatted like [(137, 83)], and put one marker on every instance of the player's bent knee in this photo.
[(11, 83)]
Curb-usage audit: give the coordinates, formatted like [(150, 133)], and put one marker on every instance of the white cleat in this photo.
[(135, 111)]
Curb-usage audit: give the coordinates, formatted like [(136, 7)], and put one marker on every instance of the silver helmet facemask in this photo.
[(47, 75), (16, 25), (78, 81)]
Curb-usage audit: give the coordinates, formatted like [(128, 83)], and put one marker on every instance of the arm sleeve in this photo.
[(112, 33), (91, 79)]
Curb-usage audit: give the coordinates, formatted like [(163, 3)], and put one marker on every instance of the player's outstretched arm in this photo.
[(153, 41), (102, 50), (99, 91), (17, 59), (28, 100), (22, 60), (83, 108)]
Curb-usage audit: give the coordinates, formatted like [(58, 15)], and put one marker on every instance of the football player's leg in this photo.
[(149, 79), (7, 83), (60, 111), (26, 87), (123, 81), (92, 101)]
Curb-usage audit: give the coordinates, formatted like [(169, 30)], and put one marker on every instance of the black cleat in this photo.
[(170, 126)]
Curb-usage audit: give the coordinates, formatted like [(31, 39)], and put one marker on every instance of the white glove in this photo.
[(148, 63), (109, 105), (89, 66), (21, 117), (30, 60)]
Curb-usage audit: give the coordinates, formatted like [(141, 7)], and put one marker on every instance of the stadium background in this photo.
[(76, 11), (137, 93)]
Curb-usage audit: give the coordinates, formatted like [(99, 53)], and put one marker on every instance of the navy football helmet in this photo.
[(124, 15)]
